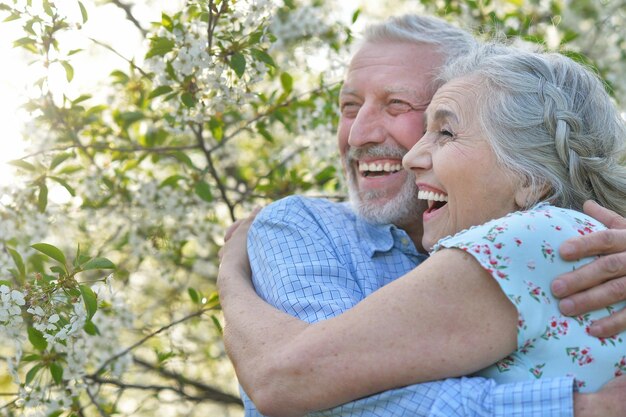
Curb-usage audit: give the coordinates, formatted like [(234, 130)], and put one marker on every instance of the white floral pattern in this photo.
[(521, 252)]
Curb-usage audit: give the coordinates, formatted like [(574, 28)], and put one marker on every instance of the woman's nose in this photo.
[(418, 157)]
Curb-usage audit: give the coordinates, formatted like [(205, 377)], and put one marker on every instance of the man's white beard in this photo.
[(401, 210)]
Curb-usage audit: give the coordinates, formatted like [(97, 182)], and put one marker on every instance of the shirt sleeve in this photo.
[(297, 268), (295, 264)]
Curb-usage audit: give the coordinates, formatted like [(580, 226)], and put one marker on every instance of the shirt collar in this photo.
[(382, 237)]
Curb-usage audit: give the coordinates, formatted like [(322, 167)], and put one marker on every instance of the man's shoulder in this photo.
[(300, 207)]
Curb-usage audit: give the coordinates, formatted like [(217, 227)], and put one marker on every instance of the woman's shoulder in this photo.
[(544, 221)]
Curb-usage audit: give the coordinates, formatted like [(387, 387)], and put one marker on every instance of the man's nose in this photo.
[(368, 127), (419, 157)]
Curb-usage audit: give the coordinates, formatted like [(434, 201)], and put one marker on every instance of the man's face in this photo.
[(386, 90)]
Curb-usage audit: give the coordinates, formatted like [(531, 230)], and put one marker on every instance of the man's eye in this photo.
[(399, 105), (349, 108)]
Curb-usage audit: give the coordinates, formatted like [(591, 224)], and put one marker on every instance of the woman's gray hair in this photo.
[(551, 121), (450, 41)]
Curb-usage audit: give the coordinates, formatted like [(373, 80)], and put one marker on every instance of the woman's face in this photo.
[(455, 166)]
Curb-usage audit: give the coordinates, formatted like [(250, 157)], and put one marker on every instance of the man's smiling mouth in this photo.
[(376, 169)]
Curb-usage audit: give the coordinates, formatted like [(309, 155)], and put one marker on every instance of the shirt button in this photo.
[(404, 241)]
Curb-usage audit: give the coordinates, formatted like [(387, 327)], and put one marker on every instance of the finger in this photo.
[(608, 217), (602, 269), (231, 229), (248, 220), (603, 242), (594, 298), (609, 326)]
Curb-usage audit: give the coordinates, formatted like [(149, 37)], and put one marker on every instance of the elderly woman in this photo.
[(515, 142)]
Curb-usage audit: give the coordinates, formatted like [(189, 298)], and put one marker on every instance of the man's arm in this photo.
[(602, 282)]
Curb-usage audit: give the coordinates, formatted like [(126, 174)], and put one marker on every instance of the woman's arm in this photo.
[(426, 325), (601, 282)]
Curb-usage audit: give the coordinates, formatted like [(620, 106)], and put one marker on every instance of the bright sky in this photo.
[(107, 25), (11, 88), (16, 76)]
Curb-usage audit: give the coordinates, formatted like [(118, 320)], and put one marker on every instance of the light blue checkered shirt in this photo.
[(315, 259)]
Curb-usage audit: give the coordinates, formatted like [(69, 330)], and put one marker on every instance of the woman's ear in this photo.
[(523, 197), (528, 194)]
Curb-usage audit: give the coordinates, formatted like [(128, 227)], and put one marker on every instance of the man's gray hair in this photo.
[(450, 41), (551, 121)]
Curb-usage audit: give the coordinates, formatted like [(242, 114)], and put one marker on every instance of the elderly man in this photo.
[(315, 259)]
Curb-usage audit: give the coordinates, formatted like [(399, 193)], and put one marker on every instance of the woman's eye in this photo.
[(446, 132)]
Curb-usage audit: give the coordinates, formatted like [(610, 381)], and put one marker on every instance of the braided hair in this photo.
[(551, 122)]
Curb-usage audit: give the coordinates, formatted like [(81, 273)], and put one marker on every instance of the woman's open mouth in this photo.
[(435, 200)]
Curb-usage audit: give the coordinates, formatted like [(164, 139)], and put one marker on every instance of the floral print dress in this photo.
[(520, 251)]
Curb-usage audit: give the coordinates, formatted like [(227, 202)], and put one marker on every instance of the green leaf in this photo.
[(238, 63), (70, 169), (56, 370), (83, 12), (22, 164), (56, 413), (64, 183), (81, 98), (163, 356), (217, 324), (18, 262), (31, 357), (120, 77), (188, 99), (98, 263), (36, 339), (52, 251), (90, 299), (263, 57), (203, 190), (31, 374), (69, 71), (183, 157), (172, 181), (194, 295), (57, 269), (167, 22), (80, 258), (11, 17), (217, 128), (24, 42), (160, 46), (90, 328), (58, 159), (47, 8), (213, 299), (286, 80), (163, 89), (355, 15), (42, 199), (130, 117)]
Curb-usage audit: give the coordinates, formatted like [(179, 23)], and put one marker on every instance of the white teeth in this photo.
[(378, 167), (429, 195)]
